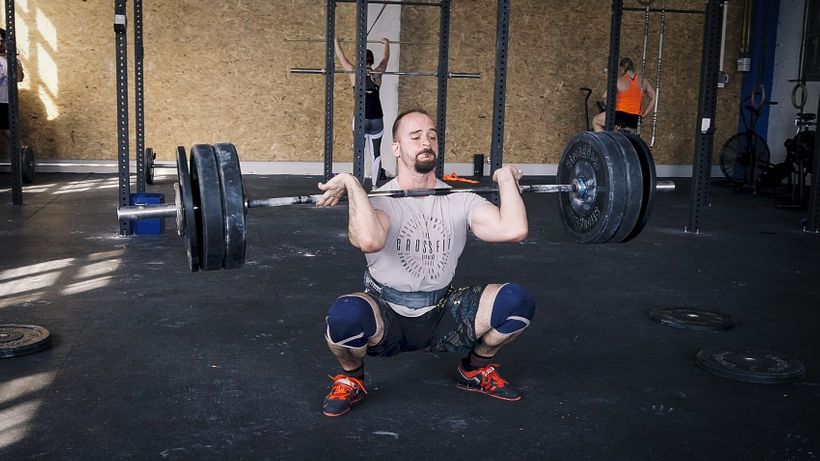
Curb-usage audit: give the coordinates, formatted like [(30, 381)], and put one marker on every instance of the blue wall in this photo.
[(763, 40)]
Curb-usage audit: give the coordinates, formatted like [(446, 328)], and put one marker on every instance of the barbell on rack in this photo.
[(607, 187), (318, 71), (28, 164), (342, 40)]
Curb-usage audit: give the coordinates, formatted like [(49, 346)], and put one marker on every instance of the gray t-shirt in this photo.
[(425, 239)]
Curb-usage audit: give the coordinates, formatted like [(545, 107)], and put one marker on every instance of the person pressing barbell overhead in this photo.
[(412, 246), (4, 82), (629, 100), (373, 114)]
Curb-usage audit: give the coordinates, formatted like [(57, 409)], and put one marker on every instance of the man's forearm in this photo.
[(364, 228), (512, 210)]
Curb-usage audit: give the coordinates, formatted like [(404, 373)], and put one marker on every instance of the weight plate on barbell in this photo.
[(751, 366), (180, 217), (593, 163), (650, 179), (16, 340), (150, 156), (210, 219), (233, 204), (29, 164), (188, 225), (634, 187), (692, 319)]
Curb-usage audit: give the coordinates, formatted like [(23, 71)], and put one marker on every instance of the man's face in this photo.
[(417, 143)]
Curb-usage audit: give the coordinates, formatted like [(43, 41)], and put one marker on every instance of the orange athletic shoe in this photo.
[(346, 392), (487, 381)]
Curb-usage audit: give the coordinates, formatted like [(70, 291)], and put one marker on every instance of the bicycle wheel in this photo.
[(736, 157), (804, 144)]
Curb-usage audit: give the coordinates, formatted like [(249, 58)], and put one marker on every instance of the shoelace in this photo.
[(490, 378), (343, 386)]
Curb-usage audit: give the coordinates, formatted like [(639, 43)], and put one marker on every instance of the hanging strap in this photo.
[(658, 75)]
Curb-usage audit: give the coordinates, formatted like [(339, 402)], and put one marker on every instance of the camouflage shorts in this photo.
[(450, 327)]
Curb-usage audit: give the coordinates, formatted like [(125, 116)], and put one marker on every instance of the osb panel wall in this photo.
[(67, 105), (556, 47), (218, 71), (214, 71)]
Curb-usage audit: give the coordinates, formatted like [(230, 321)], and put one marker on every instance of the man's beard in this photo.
[(425, 166)]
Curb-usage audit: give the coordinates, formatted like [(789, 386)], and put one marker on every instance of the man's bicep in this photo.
[(485, 222)]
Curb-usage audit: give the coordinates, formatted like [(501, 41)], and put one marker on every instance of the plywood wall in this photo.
[(214, 71), (555, 48), (218, 71)]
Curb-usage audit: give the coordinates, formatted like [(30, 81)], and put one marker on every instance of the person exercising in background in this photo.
[(4, 81), (629, 100), (373, 115), (412, 247)]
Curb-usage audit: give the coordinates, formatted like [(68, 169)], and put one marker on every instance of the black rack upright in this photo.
[(14, 126), (707, 104), (502, 33), (122, 109)]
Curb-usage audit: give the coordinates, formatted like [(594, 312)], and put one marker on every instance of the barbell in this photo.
[(606, 181), (28, 164), (343, 40), (318, 71)]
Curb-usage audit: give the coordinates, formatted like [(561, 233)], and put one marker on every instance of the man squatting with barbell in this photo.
[(412, 246)]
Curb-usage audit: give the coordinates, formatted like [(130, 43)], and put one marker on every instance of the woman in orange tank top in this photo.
[(629, 101)]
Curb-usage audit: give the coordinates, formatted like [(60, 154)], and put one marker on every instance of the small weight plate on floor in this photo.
[(188, 225), (16, 340), (634, 187), (210, 219), (692, 319), (593, 213), (751, 366), (29, 164), (150, 156), (650, 179), (233, 204)]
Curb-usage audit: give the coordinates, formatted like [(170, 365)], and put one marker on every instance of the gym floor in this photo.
[(150, 361)]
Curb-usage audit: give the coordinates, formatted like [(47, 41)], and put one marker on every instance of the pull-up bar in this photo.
[(664, 10), (388, 2)]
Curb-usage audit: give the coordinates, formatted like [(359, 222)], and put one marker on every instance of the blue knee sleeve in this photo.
[(513, 309), (350, 322)]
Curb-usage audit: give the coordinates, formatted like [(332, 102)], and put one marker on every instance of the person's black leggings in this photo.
[(373, 132)]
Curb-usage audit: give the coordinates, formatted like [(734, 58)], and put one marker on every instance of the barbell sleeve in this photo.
[(665, 186), (138, 212)]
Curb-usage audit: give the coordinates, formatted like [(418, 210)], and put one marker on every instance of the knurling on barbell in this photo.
[(607, 182)]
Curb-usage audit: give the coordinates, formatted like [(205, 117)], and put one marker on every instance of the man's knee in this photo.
[(350, 322), (513, 309)]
